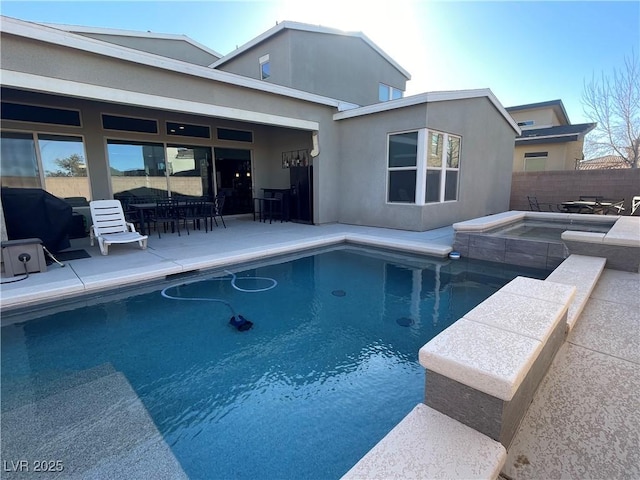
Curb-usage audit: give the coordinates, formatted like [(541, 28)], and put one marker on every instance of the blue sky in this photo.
[(524, 51)]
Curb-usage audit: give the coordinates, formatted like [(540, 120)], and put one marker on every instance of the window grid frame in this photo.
[(421, 167)]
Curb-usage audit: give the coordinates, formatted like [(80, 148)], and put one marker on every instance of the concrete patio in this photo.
[(584, 421)]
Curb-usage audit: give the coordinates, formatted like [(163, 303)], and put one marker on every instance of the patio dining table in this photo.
[(151, 206), (586, 206)]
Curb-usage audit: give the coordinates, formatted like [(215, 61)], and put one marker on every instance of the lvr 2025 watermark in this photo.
[(32, 466)]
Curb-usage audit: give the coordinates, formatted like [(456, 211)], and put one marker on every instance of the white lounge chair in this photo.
[(109, 226)]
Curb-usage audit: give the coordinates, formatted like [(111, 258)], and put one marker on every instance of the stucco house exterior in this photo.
[(128, 111), (548, 141), (343, 65)]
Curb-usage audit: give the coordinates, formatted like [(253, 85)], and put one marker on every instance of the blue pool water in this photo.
[(328, 369)]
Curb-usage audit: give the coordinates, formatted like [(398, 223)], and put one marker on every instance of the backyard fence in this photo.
[(560, 186)]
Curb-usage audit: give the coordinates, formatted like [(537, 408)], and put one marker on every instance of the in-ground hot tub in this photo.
[(532, 239), (547, 229)]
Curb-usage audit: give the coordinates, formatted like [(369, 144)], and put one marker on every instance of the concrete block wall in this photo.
[(560, 186)]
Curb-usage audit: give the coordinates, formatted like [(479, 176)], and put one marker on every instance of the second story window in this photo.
[(386, 92), (535, 161), (265, 67)]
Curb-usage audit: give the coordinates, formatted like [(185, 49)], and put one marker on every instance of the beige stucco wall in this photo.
[(543, 117), (561, 156)]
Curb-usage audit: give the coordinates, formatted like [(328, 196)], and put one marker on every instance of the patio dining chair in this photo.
[(167, 213), (217, 209), (194, 210), (536, 206), (276, 207), (129, 214), (110, 226), (616, 208)]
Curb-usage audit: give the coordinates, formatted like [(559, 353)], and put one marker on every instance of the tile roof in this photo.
[(607, 162)]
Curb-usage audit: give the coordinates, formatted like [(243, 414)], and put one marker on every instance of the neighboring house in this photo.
[(121, 113), (548, 141), (607, 162), (343, 65)]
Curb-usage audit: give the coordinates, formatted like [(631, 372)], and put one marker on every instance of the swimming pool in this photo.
[(329, 367)]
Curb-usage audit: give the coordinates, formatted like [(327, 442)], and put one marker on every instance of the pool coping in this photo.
[(484, 224)]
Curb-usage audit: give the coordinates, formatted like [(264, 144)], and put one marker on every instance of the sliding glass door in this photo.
[(154, 170), (137, 169), (233, 179)]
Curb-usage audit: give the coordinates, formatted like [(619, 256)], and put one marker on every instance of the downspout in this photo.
[(316, 148)]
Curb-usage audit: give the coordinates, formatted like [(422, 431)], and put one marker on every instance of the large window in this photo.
[(137, 168), (443, 165), (144, 170), (64, 166), (403, 167), (423, 167), (19, 161), (55, 163)]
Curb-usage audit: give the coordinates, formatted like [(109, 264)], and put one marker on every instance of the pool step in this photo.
[(485, 368), (582, 272), (49, 382), (99, 429), (429, 444)]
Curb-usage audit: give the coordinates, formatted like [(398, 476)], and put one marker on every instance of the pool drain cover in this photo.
[(404, 321), (338, 293)]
